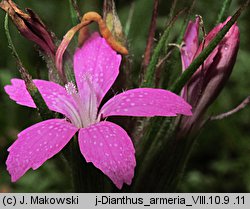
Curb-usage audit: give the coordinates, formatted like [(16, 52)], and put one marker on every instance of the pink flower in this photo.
[(103, 143), (208, 81)]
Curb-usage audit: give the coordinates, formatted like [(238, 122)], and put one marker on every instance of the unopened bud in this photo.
[(208, 81), (30, 26)]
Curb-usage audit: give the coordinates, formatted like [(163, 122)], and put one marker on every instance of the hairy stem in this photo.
[(85, 177), (42, 108), (241, 106)]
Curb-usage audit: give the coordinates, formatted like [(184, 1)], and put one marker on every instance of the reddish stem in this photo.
[(151, 35)]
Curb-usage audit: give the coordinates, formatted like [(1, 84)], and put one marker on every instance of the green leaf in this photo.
[(224, 11), (73, 12), (150, 71), (158, 51)]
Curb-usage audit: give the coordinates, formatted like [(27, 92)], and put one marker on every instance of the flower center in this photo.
[(70, 88), (83, 111)]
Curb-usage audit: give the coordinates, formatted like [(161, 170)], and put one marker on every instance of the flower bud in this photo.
[(112, 21), (208, 81), (30, 26)]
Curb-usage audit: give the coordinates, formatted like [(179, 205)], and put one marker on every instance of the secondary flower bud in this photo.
[(208, 81), (30, 26)]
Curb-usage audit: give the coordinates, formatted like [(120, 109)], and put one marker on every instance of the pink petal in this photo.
[(18, 92), (191, 43), (216, 75), (187, 60), (110, 149), (228, 50), (211, 35), (37, 144), (217, 67), (53, 94), (208, 39), (146, 102), (99, 62)]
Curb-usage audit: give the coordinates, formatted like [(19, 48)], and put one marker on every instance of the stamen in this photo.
[(84, 110), (91, 99), (73, 111), (73, 114), (71, 88)]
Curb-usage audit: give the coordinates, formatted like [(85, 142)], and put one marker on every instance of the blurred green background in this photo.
[(220, 160)]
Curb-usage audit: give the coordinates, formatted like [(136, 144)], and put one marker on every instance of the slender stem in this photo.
[(151, 35), (74, 12), (172, 10), (224, 10), (129, 19), (179, 154), (166, 159), (151, 150), (30, 86), (158, 127), (146, 143), (86, 177), (10, 42), (241, 106), (159, 49), (171, 73), (76, 164), (185, 21)]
